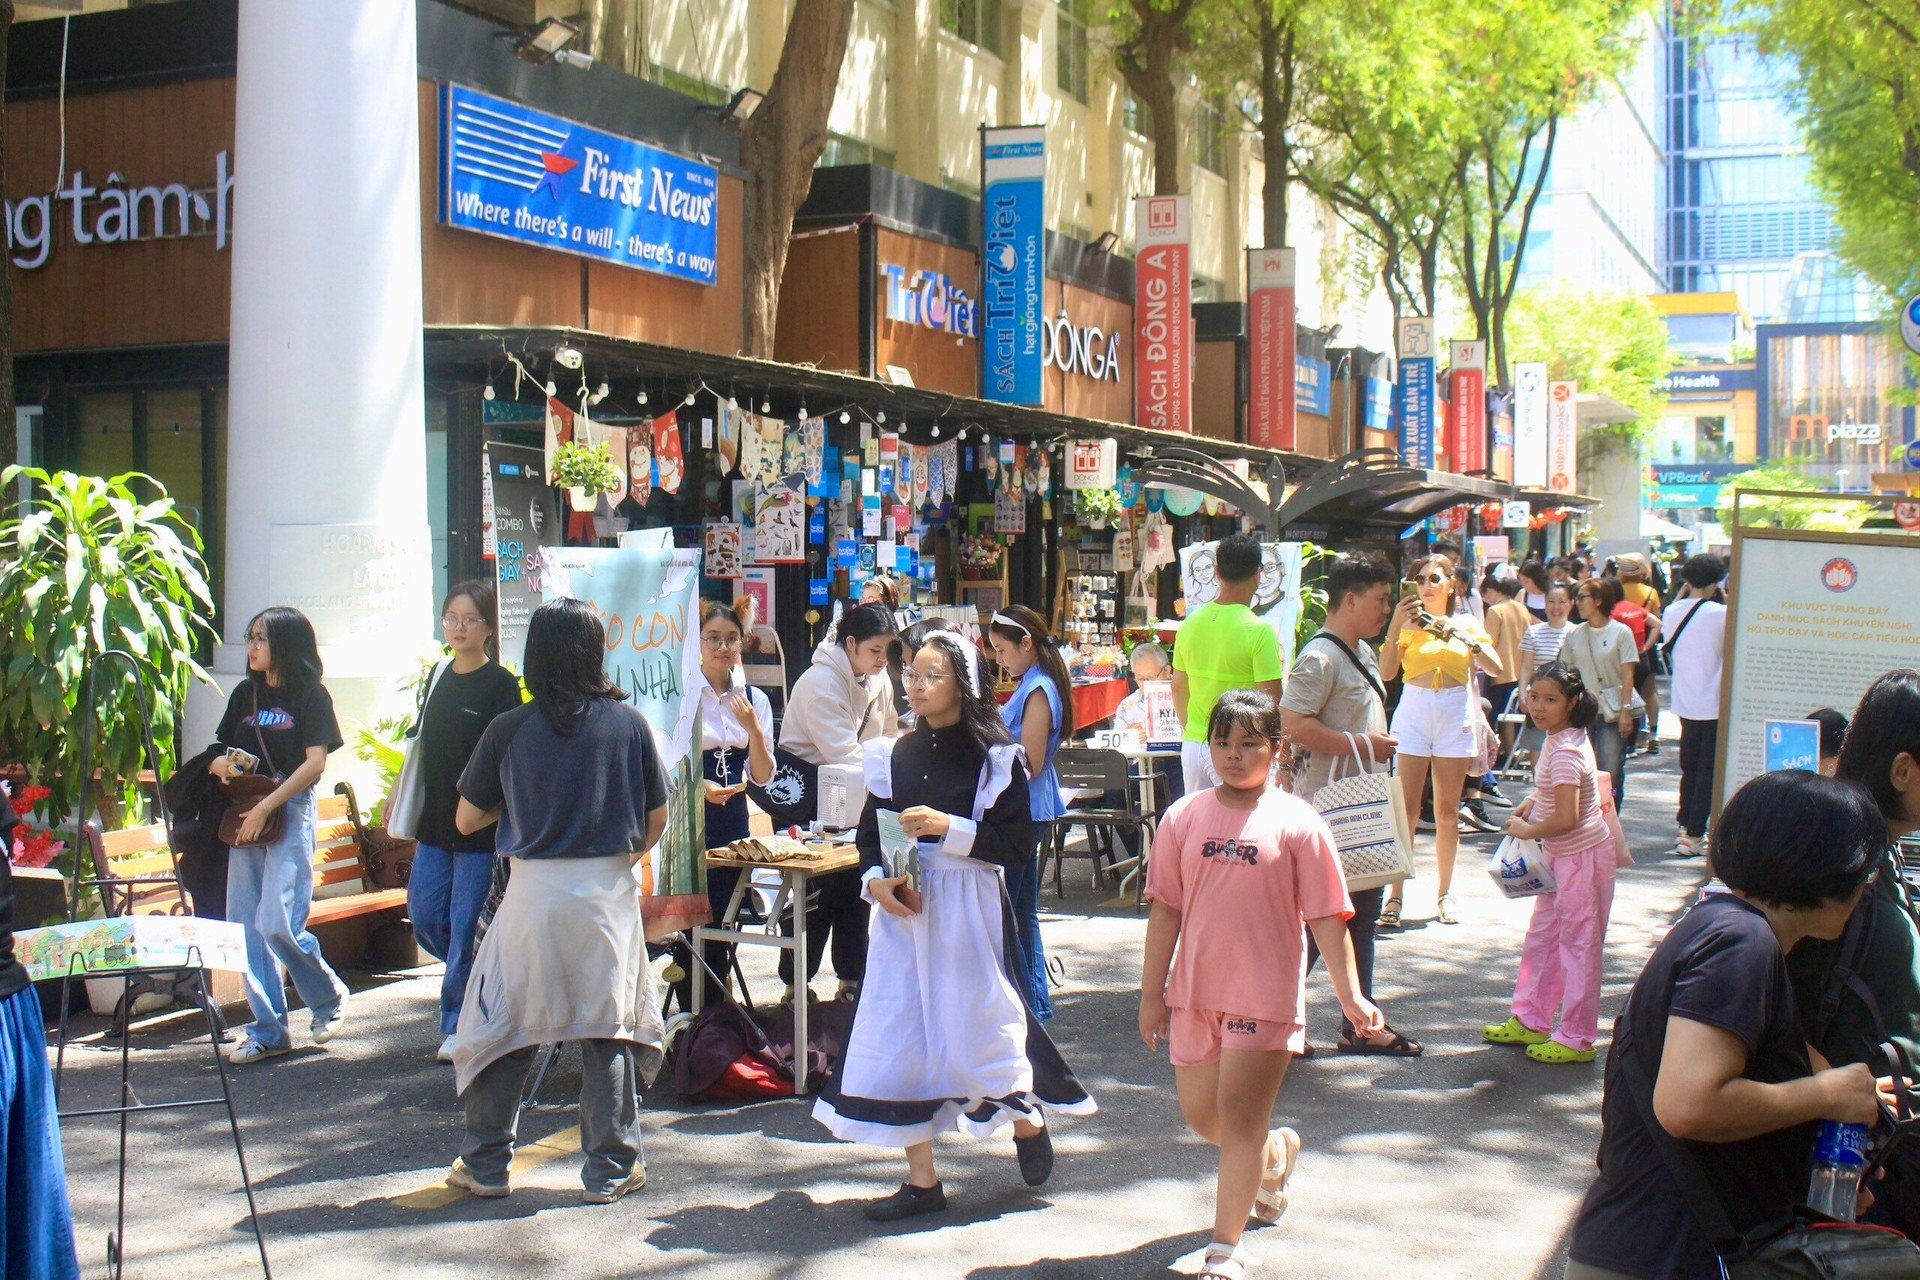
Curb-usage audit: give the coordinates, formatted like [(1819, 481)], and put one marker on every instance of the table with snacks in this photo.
[(796, 862)]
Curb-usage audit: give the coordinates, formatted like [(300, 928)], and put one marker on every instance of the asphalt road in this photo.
[(1469, 1162)]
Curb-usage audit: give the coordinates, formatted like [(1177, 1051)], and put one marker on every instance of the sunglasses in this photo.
[(1433, 580)]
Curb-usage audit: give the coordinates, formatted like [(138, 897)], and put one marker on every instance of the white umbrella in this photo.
[(1653, 526)]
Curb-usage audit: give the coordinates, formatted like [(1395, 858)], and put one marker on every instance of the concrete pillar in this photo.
[(1612, 474), (326, 454), (917, 105)]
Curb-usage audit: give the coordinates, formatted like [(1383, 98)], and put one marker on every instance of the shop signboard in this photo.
[(1312, 386), (1563, 417), (1379, 404), (525, 518), (1013, 169), (1530, 425), (1084, 349), (1515, 515), (1271, 337), (1467, 392), (1091, 464), (1163, 314), (1416, 343), (508, 170)]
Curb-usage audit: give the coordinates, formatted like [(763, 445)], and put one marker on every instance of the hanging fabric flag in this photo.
[(793, 449), (729, 440), (815, 451), (639, 456), (903, 475), (615, 439), (990, 465), (918, 498), (669, 461)]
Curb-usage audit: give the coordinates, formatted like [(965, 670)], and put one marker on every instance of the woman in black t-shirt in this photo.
[(1709, 1050), (452, 872), (282, 714)]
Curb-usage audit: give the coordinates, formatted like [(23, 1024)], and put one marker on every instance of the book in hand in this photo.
[(899, 852)]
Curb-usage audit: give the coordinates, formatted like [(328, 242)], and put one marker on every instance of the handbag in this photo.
[(791, 797), (386, 862), (1521, 868), (245, 792), (407, 798), (1367, 815)]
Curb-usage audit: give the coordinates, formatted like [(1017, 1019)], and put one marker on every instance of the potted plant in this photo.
[(585, 472), (1098, 507)]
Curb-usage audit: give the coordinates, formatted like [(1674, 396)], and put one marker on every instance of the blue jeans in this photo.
[(36, 1226), (444, 897), (270, 890), (1023, 886), (1610, 755)]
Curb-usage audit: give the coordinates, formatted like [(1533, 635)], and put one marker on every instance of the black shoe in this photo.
[(907, 1202), (1491, 794), (1036, 1157), (1474, 815)]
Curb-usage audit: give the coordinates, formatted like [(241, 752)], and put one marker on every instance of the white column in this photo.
[(326, 448)]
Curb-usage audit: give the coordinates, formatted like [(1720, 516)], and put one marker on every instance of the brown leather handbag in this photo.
[(244, 794)]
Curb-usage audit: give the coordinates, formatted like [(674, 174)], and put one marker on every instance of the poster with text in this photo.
[(525, 518), (720, 544), (1163, 314)]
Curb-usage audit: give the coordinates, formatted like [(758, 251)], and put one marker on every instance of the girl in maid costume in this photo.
[(942, 1037)]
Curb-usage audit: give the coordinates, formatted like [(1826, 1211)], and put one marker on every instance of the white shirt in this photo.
[(719, 727), (1697, 657)]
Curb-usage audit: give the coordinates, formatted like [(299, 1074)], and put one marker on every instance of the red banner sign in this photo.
[(1467, 413), (1163, 315), (1270, 348)]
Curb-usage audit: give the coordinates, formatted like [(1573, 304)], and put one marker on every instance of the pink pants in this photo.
[(1560, 968)]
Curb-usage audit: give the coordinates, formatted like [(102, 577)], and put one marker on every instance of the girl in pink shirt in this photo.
[(1560, 967), (1237, 870)]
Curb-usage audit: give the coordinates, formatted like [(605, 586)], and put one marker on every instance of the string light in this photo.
[(936, 428), (642, 397), (766, 405), (487, 392), (552, 389), (845, 417), (689, 399), (880, 417), (803, 413)]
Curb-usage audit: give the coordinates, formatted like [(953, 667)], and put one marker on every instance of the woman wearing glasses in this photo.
[(736, 747), (1607, 657), (452, 872), (1435, 652)]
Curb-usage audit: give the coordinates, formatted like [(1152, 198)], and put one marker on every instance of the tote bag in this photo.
[(1368, 817), (409, 794)]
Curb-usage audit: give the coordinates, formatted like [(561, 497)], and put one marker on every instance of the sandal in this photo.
[(1268, 1205), (1555, 1054), (1398, 1047), (1390, 915), (1447, 913), (1223, 1262)]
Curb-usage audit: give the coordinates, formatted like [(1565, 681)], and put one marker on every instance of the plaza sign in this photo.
[(117, 213)]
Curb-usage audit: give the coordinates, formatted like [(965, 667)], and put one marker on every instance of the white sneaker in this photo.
[(252, 1050), (445, 1055), (329, 1027)]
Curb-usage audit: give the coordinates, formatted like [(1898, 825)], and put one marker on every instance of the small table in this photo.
[(792, 897)]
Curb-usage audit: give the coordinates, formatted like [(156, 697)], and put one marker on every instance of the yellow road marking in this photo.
[(526, 1159)]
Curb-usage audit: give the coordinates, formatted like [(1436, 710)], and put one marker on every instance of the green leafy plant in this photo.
[(1313, 596), (87, 566), (1098, 505), (588, 467), (1831, 516)]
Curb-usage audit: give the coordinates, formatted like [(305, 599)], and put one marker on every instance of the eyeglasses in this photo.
[(1433, 580), (917, 680), (256, 637), (722, 642), (461, 622)]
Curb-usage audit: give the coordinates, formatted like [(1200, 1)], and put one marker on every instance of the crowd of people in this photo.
[(1753, 1018)]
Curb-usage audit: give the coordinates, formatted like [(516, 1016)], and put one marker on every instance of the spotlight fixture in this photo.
[(739, 108), (541, 44), (1107, 243), (568, 357)]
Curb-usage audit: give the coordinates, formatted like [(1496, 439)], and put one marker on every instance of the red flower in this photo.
[(38, 849), (29, 799)]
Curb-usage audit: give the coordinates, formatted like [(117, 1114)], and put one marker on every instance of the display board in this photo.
[(1276, 599), (1813, 619), (522, 516)]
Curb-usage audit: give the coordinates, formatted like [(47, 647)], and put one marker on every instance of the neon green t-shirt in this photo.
[(1222, 647)]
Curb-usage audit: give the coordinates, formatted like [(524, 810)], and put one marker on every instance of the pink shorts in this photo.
[(1196, 1036)]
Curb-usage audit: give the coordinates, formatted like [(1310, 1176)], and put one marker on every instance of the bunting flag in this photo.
[(815, 451), (640, 466), (729, 441), (615, 439), (793, 449)]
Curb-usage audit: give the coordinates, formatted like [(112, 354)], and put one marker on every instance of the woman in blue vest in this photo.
[(1037, 714)]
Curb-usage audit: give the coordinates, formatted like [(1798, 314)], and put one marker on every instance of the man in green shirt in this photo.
[(1223, 645)]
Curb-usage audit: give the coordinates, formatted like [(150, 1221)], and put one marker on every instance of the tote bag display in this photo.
[(1521, 868), (409, 794), (1368, 818)]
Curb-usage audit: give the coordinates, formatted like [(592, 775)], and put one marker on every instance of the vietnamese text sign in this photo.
[(525, 519), (1563, 417), (1013, 169), (510, 171), (1163, 314), (1270, 348), (1791, 744), (1467, 389), (1416, 391), (364, 586), (1530, 425)]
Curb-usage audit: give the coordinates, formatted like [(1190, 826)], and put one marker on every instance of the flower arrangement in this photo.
[(980, 554), (31, 847)]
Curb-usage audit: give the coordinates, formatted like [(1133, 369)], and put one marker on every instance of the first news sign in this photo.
[(520, 174)]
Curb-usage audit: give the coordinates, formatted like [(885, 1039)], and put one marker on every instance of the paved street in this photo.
[(1467, 1163)]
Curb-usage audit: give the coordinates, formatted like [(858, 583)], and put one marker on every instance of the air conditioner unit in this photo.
[(842, 789)]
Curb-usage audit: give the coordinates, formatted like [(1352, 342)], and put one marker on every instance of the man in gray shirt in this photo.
[(1334, 690)]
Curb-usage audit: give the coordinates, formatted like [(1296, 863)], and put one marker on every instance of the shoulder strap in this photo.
[(266, 757), (1681, 630), (1845, 979), (1358, 665), (426, 692)]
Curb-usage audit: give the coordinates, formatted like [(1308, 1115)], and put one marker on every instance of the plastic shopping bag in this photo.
[(1521, 868)]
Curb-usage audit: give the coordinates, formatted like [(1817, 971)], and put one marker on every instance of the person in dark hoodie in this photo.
[(36, 1219)]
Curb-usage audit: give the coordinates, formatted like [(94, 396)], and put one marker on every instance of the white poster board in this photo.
[(1276, 599), (1814, 619)]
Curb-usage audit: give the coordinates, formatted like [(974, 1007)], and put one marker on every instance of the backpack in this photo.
[(1634, 618)]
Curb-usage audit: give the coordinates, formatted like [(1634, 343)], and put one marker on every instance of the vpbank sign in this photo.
[(520, 174)]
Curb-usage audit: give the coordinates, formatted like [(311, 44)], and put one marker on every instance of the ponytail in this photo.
[(1017, 622)]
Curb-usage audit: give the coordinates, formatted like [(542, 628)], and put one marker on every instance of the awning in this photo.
[(1653, 526), (1548, 499), (1367, 486)]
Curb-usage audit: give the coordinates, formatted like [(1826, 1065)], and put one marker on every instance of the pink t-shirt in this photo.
[(1568, 762), (1245, 881)]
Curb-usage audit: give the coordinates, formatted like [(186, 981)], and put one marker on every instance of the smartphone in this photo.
[(242, 761), (1409, 589)]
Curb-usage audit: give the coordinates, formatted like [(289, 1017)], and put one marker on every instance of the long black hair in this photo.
[(1885, 727), (979, 714), (293, 653), (864, 622), (566, 646), (485, 603), (1573, 687), (1026, 624)]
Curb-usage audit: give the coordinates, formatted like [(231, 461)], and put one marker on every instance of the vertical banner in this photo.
[(1416, 391), (526, 517), (649, 602), (1563, 416), (1530, 426), (1270, 348), (1163, 314), (1013, 262), (1467, 391)]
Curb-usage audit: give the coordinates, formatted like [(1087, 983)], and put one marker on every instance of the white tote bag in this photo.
[(409, 794), (1521, 868), (1368, 818)]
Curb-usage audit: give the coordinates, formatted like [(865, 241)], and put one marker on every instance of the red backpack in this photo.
[(1634, 618)]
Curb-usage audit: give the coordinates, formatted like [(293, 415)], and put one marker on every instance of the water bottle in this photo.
[(1839, 1156)]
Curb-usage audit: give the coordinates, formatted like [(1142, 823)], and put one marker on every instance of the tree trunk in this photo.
[(1147, 62), (1276, 114), (9, 435), (616, 35), (779, 147)]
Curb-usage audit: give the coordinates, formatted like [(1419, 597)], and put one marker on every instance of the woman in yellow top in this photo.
[(1435, 652)]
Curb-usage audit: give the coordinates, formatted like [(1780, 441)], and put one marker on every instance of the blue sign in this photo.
[(1013, 262), (1312, 385), (1682, 383), (817, 589), (1912, 455), (1416, 411), (1666, 473), (1792, 744), (510, 171), (1678, 497), (1379, 404)]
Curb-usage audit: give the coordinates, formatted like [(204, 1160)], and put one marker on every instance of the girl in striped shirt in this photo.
[(1560, 967), (1541, 643)]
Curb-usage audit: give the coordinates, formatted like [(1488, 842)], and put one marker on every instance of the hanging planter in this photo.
[(585, 472), (1097, 507)]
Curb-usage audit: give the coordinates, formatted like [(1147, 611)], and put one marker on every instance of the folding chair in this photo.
[(1517, 763), (1099, 770)]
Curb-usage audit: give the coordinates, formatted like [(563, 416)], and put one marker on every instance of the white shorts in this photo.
[(1436, 723), (1196, 767)]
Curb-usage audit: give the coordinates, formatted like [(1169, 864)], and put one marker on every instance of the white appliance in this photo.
[(843, 796)]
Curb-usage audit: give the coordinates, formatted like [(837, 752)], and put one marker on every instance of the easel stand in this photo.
[(129, 1103)]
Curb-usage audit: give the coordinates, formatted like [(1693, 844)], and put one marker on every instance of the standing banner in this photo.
[(1416, 344), (525, 518), (1013, 262), (1271, 423), (649, 601), (1163, 314), (1563, 418), (1467, 390), (1530, 425), (1276, 596)]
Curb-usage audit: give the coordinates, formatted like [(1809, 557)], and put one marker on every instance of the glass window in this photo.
[(1136, 116), (841, 149), (1210, 138), (975, 21), (101, 441), (174, 449), (1070, 55)]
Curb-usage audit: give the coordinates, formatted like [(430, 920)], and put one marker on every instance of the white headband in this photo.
[(1002, 620), (954, 642)]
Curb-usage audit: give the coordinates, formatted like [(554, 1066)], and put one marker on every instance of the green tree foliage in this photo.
[(1789, 513), (1151, 40), (1612, 343)]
